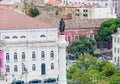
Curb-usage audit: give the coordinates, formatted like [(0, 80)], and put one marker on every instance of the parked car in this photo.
[(35, 81), (18, 82), (49, 80)]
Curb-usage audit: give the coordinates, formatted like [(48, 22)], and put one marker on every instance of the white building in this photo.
[(113, 4), (30, 44), (94, 12), (116, 47)]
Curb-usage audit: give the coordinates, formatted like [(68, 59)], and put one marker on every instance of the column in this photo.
[(62, 59)]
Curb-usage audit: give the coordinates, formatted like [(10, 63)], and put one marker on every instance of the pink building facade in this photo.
[(71, 35)]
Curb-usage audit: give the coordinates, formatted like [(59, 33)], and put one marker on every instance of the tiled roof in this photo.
[(76, 5), (11, 19), (73, 23), (50, 2)]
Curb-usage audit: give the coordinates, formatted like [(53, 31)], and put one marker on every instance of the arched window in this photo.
[(43, 69), (23, 36), (7, 69), (52, 66), (52, 55), (33, 55), (15, 68), (23, 55), (15, 37), (23, 68), (33, 67), (7, 37), (7, 57), (42, 35), (15, 56), (42, 55)]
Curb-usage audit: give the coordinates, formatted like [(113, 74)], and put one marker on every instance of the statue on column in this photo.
[(62, 26)]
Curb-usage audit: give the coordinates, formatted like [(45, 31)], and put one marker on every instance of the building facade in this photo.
[(83, 11), (113, 4), (116, 48), (29, 51)]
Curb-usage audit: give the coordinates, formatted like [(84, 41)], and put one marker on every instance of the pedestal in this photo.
[(62, 59)]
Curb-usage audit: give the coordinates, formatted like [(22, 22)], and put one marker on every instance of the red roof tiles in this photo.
[(11, 19)]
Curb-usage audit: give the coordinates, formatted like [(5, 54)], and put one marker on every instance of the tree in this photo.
[(115, 79), (90, 70), (82, 46), (107, 28), (109, 69), (33, 12), (84, 71)]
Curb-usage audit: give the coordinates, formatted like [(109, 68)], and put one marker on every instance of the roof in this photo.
[(11, 19), (74, 23), (76, 5)]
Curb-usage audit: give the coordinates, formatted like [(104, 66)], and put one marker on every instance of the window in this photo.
[(52, 55), (69, 39), (85, 15), (118, 60), (115, 40), (42, 55), (77, 14), (33, 55), (118, 51), (76, 37), (114, 49), (85, 10), (114, 59), (43, 69), (33, 67), (52, 66), (23, 55), (23, 36), (77, 10), (7, 37), (98, 45), (15, 37), (118, 40), (15, 68), (7, 57), (7, 69), (106, 4), (15, 56), (23, 68), (42, 35), (104, 44)]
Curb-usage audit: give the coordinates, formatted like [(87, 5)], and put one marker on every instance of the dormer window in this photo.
[(15, 37), (7, 37), (42, 35), (23, 36)]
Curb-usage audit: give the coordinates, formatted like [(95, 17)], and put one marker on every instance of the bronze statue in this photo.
[(62, 26)]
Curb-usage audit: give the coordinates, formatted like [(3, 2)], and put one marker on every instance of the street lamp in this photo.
[(24, 71), (6, 72)]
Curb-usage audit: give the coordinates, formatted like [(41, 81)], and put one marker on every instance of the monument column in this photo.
[(62, 59), (62, 53)]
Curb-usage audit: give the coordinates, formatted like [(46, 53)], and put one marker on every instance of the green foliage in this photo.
[(82, 46), (109, 69), (33, 12), (90, 70), (107, 28), (115, 80)]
